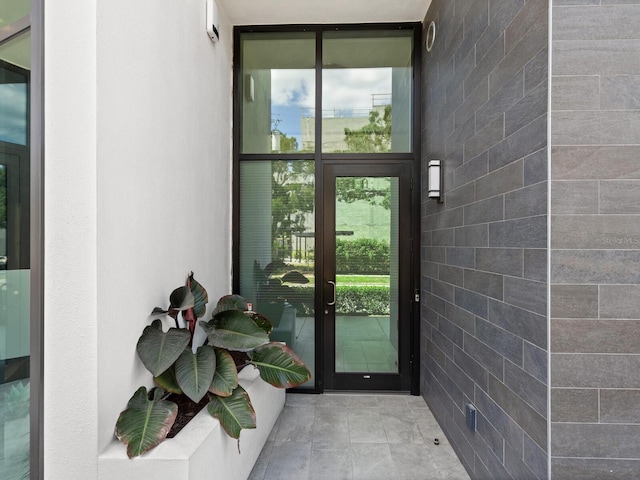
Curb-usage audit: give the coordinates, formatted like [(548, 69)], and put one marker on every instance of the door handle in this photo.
[(334, 292)]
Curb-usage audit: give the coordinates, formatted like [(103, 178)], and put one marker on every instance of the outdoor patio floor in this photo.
[(357, 437)]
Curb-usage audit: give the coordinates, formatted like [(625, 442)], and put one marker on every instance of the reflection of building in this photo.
[(334, 122)]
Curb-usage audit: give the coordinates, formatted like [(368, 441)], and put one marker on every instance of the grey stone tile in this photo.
[(435, 254), (595, 370), (460, 136), (595, 336), (526, 202), (452, 332), (365, 426), (514, 463), (401, 427), (483, 355), (472, 236), (527, 294), (460, 196), (260, 467), (620, 197), (442, 290), (535, 361), (423, 462), (610, 127), (500, 340), (574, 197), (527, 325), (533, 12), (620, 92), (535, 264), (535, 458), (289, 461), (594, 232), (521, 143), (498, 418), (620, 301), (372, 462), (620, 406), (486, 61), (595, 440), (331, 465), (470, 367), (506, 261), (471, 301), (442, 238), (330, 427), (594, 469), (595, 266), (527, 387), (484, 211), (460, 379), (444, 344), (574, 301), (489, 284), (535, 167), (296, 424), (532, 106), (520, 233), (472, 102), (574, 405), (499, 19), (501, 101), (301, 400), (485, 138), (449, 218), (600, 23), (536, 71), (501, 181), (585, 57), (461, 256), (533, 423), (471, 170), (460, 317), (452, 275), (595, 162), (575, 92)]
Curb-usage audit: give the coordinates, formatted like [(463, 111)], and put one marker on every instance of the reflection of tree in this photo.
[(3, 197), (375, 137), (293, 198), (351, 189), (288, 144)]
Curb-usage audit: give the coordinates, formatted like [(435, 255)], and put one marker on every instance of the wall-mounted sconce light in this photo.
[(431, 36), (434, 172), (213, 22)]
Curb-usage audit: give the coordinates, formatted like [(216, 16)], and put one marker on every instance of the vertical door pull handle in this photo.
[(333, 302)]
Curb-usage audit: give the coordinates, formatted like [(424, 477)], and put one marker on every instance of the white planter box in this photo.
[(202, 449)]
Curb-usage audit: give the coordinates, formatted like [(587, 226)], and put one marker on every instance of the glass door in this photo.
[(366, 289)]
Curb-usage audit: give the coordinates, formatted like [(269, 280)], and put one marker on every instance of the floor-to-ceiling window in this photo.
[(15, 238), (326, 150)]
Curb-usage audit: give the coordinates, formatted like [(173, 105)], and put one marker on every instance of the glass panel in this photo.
[(14, 253), (277, 241), (13, 10), (367, 91), (366, 274), (277, 81)]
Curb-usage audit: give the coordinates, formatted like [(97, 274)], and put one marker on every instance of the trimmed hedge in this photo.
[(362, 256), (352, 300)]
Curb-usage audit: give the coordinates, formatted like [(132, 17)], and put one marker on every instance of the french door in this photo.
[(366, 279)]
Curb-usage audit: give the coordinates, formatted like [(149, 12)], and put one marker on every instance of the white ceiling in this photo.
[(269, 12)]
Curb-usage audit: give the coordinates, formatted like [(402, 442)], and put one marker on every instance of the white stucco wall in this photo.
[(138, 192)]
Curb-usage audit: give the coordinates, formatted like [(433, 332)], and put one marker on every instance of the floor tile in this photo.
[(372, 462), (365, 426), (331, 465), (296, 424), (289, 461)]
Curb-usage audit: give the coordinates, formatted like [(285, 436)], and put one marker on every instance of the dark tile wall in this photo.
[(484, 260), (595, 240)]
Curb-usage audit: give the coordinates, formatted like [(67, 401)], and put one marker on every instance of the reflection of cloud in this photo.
[(344, 88), (13, 105)]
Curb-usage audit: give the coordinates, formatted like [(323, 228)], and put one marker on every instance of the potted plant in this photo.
[(203, 371)]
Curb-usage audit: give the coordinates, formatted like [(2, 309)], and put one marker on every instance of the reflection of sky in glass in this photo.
[(13, 113)]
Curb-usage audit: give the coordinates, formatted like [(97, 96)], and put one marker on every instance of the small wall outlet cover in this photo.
[(470, 413)]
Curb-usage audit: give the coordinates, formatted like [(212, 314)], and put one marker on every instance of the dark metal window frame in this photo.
[(414, 157)]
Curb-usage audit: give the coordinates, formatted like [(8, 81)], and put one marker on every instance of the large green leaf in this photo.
[(225, 379), (194, 371), (167, 380), (146, 422), (234, 412), (181, 298), (294, 277), (200, 296), (234, 330), (279, 365), (158, 350), (263, 322), (230, 302)]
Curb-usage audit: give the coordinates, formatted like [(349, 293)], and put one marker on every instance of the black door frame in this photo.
[(400, 381), (413, 158)]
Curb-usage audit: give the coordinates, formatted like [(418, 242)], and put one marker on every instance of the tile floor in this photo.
[(356, 437)]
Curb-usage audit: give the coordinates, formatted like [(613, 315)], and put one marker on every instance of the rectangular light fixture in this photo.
[(434, 172)]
